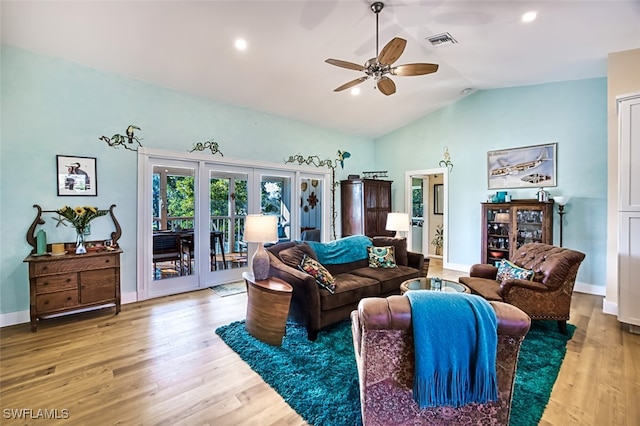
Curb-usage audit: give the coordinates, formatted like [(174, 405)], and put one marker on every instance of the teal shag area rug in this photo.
[(319, 380)]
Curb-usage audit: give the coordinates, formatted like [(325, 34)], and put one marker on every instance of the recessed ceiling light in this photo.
[(241, 44), (529, 16), (355, 91)]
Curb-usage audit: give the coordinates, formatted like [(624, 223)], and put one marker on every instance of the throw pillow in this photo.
[(508, 270), (322, 276), (399, 246), (381, 257)]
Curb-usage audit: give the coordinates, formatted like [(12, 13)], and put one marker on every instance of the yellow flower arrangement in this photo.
[(80, 216)]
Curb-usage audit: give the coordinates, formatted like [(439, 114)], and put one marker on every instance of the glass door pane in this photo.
[(228, 208), (311, 206), (172, 243), (276, 199)]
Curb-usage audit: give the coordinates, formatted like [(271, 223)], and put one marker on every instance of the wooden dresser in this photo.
[(73, 282), (60, 284)]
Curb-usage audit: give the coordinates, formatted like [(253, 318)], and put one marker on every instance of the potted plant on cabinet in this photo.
[(438, 240)]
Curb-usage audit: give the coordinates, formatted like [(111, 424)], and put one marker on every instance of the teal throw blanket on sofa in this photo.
[(345, 250), (455, 338)]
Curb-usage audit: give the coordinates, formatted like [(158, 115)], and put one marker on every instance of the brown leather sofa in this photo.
[(383, 344), (547, 296), (317, 308)]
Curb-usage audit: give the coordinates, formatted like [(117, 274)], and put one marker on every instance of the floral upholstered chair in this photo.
[(545, 293), (384, 348)]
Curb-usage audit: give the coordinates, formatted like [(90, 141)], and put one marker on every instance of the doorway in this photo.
[(426, 198)]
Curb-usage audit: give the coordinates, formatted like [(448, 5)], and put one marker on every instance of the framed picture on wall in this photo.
[(438, 198), (527, 167), (76, 175)]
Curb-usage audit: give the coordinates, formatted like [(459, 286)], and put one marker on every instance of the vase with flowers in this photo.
[(80, 217), (438, 240)]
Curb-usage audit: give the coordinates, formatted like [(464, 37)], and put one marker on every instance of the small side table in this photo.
[(267, 308)]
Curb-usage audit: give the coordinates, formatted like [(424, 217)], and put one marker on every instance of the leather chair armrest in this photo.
[(512, 321), (415, 260), (506, 286), (390, 313), (483, 270)]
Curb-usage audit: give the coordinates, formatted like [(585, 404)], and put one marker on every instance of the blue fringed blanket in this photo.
[(345, 250), (455, 337)]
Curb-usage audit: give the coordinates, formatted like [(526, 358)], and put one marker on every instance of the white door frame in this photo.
[(424, 173)]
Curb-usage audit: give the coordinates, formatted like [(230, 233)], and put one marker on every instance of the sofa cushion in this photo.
[(507, 271), (318, 272), (399, 245), (381, 257), (390, 278), (292, 256), (349, 290)]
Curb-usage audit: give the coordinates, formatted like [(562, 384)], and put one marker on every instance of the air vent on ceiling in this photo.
[(439, 39)]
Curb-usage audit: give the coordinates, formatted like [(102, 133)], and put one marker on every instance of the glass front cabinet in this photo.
[(508, 226)]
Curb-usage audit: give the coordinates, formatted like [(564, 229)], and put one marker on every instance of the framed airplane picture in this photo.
[(527, 167)]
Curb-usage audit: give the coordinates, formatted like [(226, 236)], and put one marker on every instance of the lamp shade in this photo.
[(561, 200), (260, 229), (398, 222)]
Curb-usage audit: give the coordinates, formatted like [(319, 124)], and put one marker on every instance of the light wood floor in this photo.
[(159, 362)]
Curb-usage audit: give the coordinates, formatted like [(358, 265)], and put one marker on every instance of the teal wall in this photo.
[(573, 114), (50, 107)]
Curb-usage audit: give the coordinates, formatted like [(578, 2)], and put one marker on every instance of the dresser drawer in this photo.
[(58, 282), (55, 301), (76, 264)]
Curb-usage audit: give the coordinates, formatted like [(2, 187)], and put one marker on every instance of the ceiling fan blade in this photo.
[(345, 64), (351, 84), (414, 69), (386, 86), (392, 51)]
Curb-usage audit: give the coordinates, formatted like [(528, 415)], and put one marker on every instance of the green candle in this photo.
[(41, 239)]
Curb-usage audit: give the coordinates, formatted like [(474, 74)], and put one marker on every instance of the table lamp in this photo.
[(398, 222), (260, 229)]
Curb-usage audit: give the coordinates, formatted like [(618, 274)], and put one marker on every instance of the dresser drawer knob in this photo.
[(107, 261), (68, 280), (69, 298), (45, 283), (46, 302)]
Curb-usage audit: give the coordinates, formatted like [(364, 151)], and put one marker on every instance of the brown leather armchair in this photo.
[(383, 344), (547, 296)]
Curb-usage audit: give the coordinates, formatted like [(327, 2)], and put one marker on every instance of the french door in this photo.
[(192, 214)]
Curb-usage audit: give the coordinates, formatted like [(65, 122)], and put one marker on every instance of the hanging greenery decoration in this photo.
[(125, 141), (211, 145)]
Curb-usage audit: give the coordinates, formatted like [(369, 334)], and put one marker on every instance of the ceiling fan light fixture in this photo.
[(380, 66)]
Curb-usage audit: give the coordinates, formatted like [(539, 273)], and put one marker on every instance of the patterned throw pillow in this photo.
[(382, 257), (316, 270), (507, 270)]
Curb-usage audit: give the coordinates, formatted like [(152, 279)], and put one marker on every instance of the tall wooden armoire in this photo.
[(365, 204)]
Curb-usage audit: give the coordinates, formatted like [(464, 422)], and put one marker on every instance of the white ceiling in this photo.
[(188, 46)]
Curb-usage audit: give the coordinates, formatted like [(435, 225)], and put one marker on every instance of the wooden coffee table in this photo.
[(424, 283)]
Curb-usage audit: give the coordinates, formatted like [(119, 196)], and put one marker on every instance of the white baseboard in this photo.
[(609, 307), (22, 317), (13, 318), (457, 267), (597, 290)]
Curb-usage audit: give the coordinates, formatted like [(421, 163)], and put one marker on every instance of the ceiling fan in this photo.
[(380, 66)]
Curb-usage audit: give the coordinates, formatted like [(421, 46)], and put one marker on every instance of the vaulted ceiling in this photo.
[(189, 46)]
